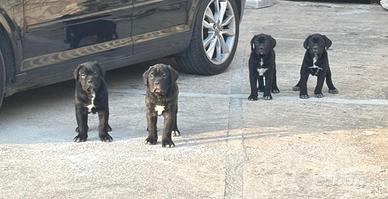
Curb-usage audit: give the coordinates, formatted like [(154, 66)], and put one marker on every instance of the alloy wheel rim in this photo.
[(218, 31)]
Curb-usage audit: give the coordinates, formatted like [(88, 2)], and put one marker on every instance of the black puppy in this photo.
[(161, 99), (91, 96), (262, 64), (316, 63)]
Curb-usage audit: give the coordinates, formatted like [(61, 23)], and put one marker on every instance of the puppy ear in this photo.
[(253, 43), (76, 70), (100, 69), (328, 42), (273, 41), (173, 74), (306, 42), (145, 75)]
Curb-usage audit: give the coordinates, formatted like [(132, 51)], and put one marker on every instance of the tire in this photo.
[(6, 59), (214, 40), (2, 78)]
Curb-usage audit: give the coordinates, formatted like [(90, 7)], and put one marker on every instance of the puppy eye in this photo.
[(164, 76), (83, 75), (151, 75)]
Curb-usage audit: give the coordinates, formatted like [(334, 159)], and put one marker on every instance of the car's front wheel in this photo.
[(2, 78), (215, 37)]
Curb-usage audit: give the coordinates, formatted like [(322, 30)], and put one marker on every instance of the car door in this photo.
[(57, 32), (156, 20)]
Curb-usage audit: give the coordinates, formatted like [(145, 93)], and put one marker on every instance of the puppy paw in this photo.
[(167, 142), (269, 97), (261, 90), (275, 90), (303, 96), (333, 91), (176, 133), (106, 138), (296, 88), (80, 138), (151, 140), (252, 98), (319, 95)]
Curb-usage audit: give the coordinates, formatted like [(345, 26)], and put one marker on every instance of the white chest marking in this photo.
[(159, 109), (262, 71), (91, 106), (314, 66), (261, 62), (315, 59)]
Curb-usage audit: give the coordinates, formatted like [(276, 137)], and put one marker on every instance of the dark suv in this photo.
[(41, 41)]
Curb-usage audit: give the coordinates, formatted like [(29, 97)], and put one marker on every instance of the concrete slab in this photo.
[(258, 3)]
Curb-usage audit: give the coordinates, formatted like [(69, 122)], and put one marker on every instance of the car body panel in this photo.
[(156, 19), (65, 30), (140, 30)]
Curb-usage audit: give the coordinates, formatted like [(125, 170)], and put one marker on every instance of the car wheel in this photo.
[(5, 60), (214, 40)]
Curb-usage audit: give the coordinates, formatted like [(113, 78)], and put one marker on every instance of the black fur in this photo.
[(162, 90), (316, 45), (262, 48), (89, 78)]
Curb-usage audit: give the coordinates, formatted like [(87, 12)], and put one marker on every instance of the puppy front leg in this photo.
[(329, 83), (168, 127), (104, 127), (268, 85), (320, 81), (303, 85), (81, 114), (151, 126), (275, 88), (175, 129), (253, 81)]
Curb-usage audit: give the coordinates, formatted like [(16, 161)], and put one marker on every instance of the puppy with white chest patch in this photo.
[(161, 100), (262, 65), (91, 96), (316, 63)]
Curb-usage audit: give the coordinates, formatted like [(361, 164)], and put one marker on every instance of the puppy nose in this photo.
[(315, 48)]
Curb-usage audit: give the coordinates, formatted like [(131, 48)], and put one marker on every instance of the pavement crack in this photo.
[(236, 151)]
